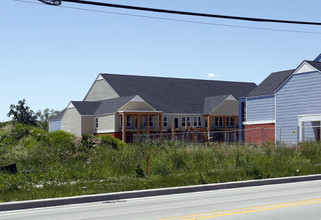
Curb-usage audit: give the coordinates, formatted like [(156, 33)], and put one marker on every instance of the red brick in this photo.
[(260, 132)]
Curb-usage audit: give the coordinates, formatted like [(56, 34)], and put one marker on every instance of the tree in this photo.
[(43, 118), (22, 113)]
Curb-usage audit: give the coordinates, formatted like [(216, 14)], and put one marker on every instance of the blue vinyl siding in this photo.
[(260, 108), (55, 125), (298, 96)]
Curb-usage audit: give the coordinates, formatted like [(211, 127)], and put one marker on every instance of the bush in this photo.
[(110, 140)]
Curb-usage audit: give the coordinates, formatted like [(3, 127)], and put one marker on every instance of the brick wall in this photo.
[(259, 133)]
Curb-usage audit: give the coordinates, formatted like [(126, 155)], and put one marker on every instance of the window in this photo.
[(218, 121), (121, 121), (188, 121), (96, 124), (145, 122), (165, 122), (128, 121), (197, 121), (183, 121), (151, 121), (229, 121), (205, 123)]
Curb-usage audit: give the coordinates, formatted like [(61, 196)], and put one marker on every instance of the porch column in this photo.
[(301, 131), (138, 123), (320, 132), (161, 122), (173, 130), (147, 122), (124, 127), (208, 126)]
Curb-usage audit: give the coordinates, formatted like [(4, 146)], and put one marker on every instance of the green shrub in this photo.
[(112, 141)]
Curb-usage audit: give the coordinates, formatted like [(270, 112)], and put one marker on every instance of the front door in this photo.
[(176, 122)]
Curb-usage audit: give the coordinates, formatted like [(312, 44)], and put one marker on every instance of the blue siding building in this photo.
[(260, 108), (287, 102), (55, 125), (299, 97)]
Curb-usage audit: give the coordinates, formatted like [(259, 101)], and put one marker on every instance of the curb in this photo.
[(40, 203)]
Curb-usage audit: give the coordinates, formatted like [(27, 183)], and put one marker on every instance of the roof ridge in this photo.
[(160, 77)]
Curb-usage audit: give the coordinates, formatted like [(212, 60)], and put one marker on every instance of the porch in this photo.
[(140, 121)]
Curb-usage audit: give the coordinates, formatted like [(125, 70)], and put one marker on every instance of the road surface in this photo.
[(282, 201)]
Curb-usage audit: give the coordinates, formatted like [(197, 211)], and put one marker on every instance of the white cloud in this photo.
[(212, 75)]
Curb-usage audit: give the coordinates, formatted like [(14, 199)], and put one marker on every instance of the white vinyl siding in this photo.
[(171, 117), (106, 124), (101, 90), (71, 122), (137, 106), (87, 126)]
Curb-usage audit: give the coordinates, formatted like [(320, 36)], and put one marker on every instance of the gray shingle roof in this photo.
[(212, 102), (315, 64), (58, 116), (172, 95), (111, 106), (86, 108), (270, 84)]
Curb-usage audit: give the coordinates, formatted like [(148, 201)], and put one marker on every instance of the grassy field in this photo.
[(58, 164)]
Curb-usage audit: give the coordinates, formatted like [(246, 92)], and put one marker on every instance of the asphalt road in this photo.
[(281, 201)]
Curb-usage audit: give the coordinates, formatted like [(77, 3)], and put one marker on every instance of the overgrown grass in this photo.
[(58, 164)]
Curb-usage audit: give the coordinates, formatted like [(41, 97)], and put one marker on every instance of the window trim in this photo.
[(128, 121), (165, 122), (183, 121), (96, 122), (197, 121), (230, 121), (218, 122), (145, 121), (151, 121)]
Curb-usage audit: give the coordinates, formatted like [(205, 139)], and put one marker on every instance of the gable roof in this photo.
[(58, 116), (173, 95), (109, 106), (315, 64), (271, 83), (86, 108), (212, 102), (318, 58)]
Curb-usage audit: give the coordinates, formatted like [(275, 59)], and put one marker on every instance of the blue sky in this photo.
[(51, 55)]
